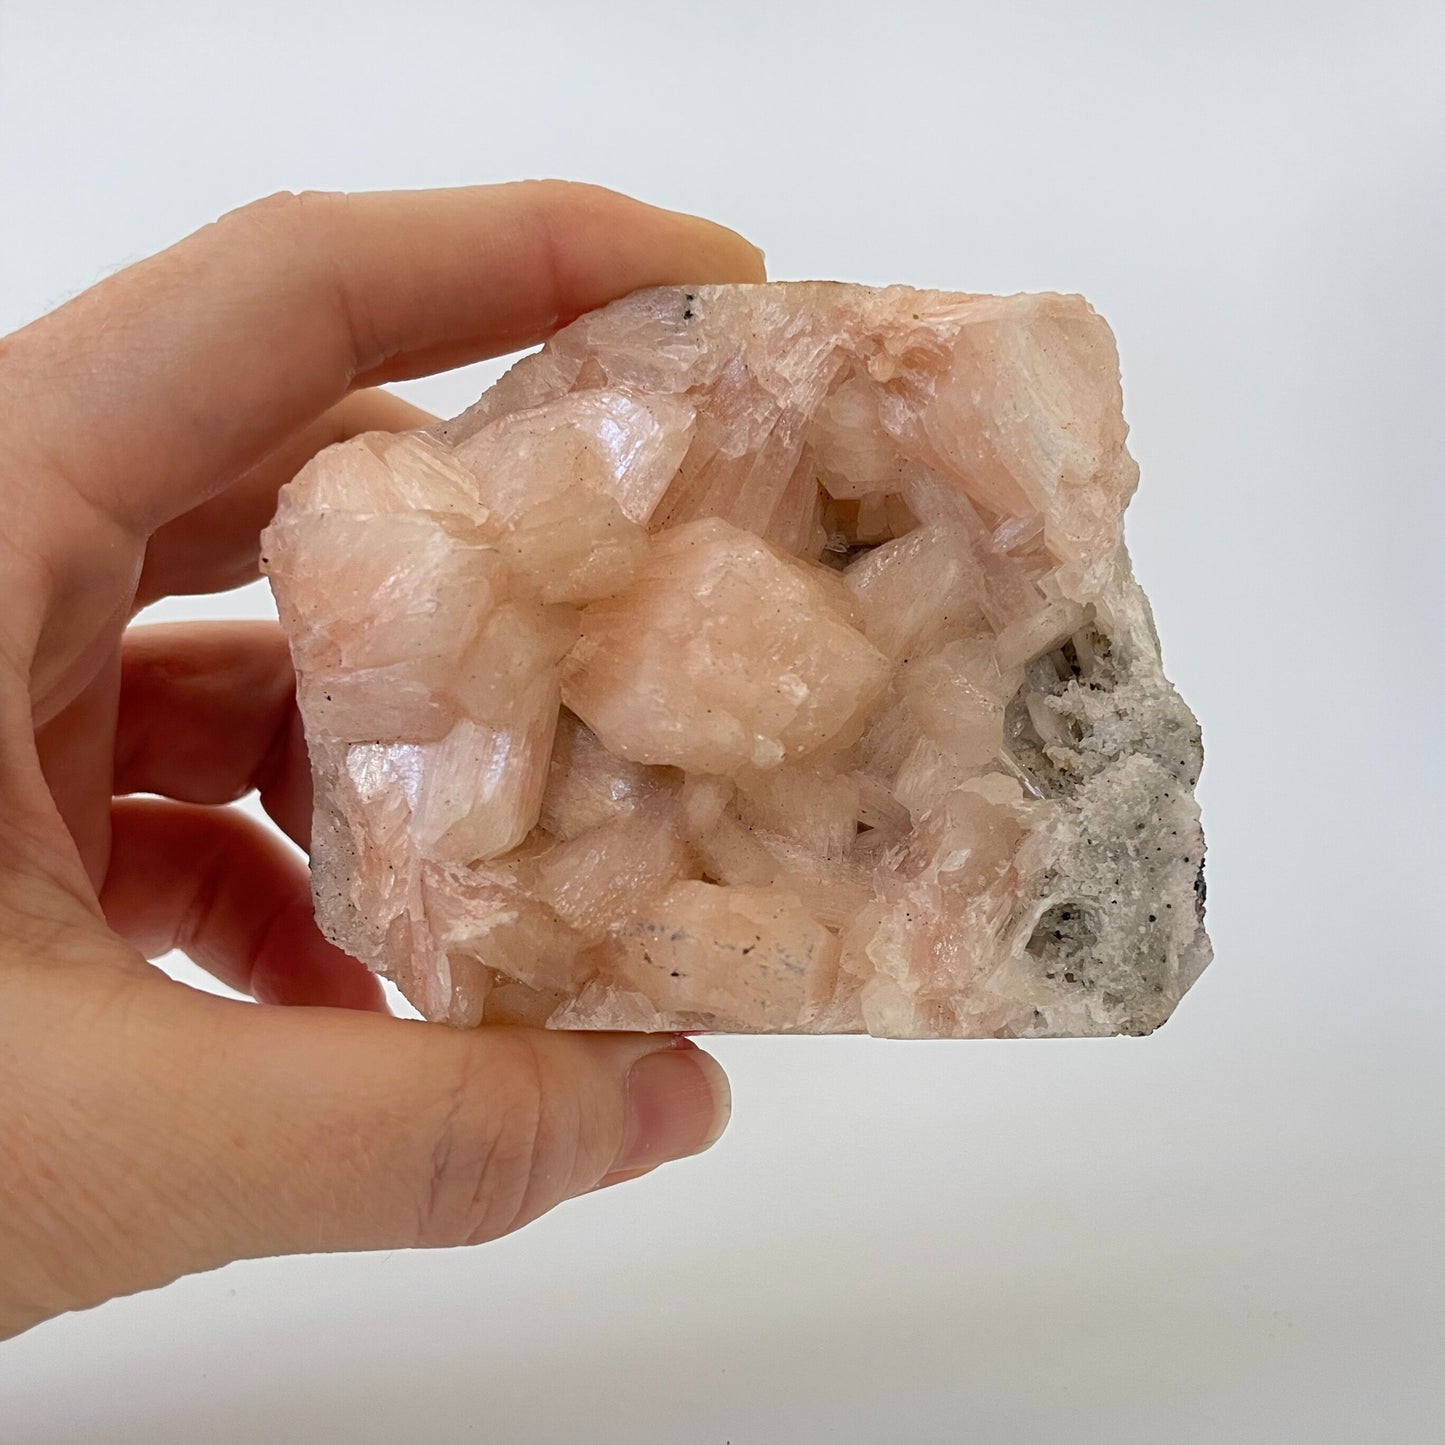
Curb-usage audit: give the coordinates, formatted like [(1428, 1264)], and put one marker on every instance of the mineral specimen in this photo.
[(756, 659)]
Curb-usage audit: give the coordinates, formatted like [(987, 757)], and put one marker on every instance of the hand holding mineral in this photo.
[(151, 1130)]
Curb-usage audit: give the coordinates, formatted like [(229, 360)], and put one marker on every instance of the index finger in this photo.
[(155, 389)]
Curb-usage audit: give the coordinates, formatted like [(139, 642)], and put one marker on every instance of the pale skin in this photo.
[(148, 1130)]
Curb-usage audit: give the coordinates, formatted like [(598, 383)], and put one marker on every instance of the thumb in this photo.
[(216, 1131)]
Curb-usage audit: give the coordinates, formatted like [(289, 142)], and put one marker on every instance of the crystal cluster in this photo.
[(756, 659)]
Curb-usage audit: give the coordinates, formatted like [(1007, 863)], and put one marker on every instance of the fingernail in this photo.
[(677, 1104)]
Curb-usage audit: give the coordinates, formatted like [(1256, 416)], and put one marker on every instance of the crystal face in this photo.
[(758, 659)]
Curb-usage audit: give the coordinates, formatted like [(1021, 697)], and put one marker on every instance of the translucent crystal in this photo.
[(758, 659)]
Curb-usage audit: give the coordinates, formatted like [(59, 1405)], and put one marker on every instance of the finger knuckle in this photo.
[(553, 188), (490, 1166), (281, 211), (559, 198)]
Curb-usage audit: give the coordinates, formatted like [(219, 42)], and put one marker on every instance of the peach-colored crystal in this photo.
[(753, 658), (722, 654)]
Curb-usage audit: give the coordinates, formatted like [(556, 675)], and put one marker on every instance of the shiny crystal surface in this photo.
[(756, 659)]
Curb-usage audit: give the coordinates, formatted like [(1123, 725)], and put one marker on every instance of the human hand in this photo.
[(149, 1130)]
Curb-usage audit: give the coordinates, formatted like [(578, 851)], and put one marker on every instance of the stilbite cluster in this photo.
[(757, 659)]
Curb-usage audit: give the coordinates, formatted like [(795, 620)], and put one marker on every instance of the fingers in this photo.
[(456, 1137), (217, 545), (165, 383), (216, 885), (207, 713), (232, 1132)]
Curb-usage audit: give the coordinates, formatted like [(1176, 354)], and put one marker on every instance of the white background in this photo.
[(1229, 1232)]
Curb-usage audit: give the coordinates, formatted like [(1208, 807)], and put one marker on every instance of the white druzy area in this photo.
[(758, 659)]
